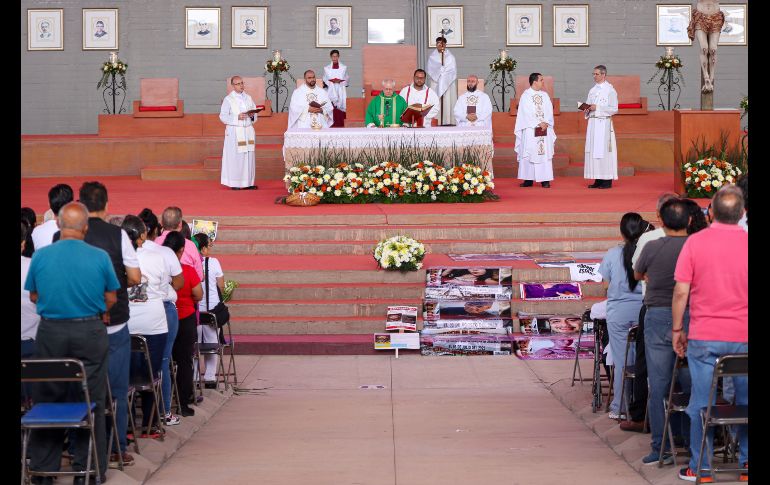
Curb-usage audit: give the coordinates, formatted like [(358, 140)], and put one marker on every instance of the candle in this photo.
[(277, 56), (503, 54), (113, 57), (669, 51)]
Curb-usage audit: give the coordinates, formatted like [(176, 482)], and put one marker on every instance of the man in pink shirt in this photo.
[(713, 271), (171, 220)]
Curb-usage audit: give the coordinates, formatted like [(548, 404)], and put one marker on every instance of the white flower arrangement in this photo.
[(704, 177), (399, 253)]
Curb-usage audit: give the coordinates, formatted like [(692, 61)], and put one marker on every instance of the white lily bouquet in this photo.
[(399, 253)]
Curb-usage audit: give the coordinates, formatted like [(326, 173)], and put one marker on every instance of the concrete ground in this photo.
[(438, 420)]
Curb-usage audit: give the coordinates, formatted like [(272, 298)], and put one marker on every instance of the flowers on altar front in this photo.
[(704, 177), (399, 253), (110, 68)]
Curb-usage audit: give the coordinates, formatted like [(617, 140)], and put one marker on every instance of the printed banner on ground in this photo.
[(391, 341), (466, 310), (466, 345), (490, 257), (468, 277), (468, 293), (208, 228), (546, 324), (552, 347), (550, 291), (401, 317)]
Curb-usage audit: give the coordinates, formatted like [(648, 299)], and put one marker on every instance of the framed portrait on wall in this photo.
[(249, 27), (45, 29), (736, 25), (446, 22), (100, 29), (570, 25), (202, 28), (333, 26), (524, 25), (672, 24)]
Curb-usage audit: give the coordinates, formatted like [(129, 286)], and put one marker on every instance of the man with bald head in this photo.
[(74, 285), (386, 108), (237, 113), (310, 106), (473, 107)]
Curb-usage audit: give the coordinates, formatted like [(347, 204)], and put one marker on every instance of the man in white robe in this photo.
[(238, 169), (535, 153), (338, 72), (601, 159), (301, 113), (473, 108), (442, 68), (419, 93)]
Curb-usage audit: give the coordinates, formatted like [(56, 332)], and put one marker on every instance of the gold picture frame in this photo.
[(45, 29), (202, 28), (438, 25), (100, 29), (570, 25), (333, 26), (249, 27)]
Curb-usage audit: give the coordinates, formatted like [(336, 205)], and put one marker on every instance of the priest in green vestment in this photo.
[(385, 109)]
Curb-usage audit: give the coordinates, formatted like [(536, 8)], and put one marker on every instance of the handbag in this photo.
[(220, 311)]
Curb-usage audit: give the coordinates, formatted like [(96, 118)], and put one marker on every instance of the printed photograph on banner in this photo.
[(476, 276), (466, 331), (552, 347), (546, 324), (208, 228), (392, 341), (466, 345), (550, 291), (490, 257), (468, 292), (401, 317), (469, 324), (468, 310)]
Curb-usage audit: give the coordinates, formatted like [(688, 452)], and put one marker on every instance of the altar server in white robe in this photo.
[(442, 68), (601, 158), (535, 153), (301, 114), (336, 89), (473, 107), (419, 93), (238, 169)]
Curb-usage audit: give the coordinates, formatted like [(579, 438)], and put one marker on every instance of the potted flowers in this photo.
[(399, 253)]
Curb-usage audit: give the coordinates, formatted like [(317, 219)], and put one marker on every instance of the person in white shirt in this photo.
[(58, 196), (29, 317), (535, 153), (336, 89), (474, 107), (301, 113), (601, 149), (213, 283), (238, 166), (419, 93), (442, 68)]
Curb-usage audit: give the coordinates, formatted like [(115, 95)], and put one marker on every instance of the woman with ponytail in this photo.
[(624, 299)]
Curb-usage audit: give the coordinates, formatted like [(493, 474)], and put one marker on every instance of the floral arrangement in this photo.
[(506, 64), (399, 253), (666, 64), (227, 293), (745, 105), (276, 65), (110, 69), (392, 182), (705, 176)]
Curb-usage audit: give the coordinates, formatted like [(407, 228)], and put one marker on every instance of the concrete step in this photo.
[(329, 291), (179, 172), (577, 170), (501, 158), (308, 326), (315, 308), (333, 344)]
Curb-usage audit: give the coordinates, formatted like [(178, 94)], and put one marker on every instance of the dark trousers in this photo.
[(86, 341), (638, 402), (339, 118), (184, 346), (155, 345)]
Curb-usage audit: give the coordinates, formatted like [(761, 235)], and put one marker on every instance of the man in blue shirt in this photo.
[(73, 285)]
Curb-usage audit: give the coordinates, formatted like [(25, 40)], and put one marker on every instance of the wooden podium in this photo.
[(691, 126)]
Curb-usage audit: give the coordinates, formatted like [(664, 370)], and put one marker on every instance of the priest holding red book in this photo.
[(535, 138), (336, 78)]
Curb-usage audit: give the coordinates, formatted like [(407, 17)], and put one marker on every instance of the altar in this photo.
[(449, 140)]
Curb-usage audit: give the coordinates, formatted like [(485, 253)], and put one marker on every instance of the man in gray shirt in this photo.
[(656, 265)]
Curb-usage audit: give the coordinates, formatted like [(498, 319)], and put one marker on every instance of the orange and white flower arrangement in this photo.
[(704, 177)]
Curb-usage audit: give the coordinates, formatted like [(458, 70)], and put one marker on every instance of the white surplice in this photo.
[(337, 92), (238, 169), (483, 105), (601, 152), (299, 117), (534, 153), (444, 81), (426, 95)]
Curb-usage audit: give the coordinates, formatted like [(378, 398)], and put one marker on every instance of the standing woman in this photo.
[(214, 282), (336, 78), (624, 298), (147, 315), (184, 345)]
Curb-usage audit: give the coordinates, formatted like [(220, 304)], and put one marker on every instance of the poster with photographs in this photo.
[(401, 318), (734, 31), (202, 28), (100, 29), (465, 310), (476, 276), (570, 25), (547, 324), (468, 293), (249, 27), (45, 29), (552, 347), (208, 228), (392, 341), (539, 291), (445, 22), (333, 26), (466, 345), (524, 25), (672, 22)]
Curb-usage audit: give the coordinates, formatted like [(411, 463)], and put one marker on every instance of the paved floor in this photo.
[(438, 420)]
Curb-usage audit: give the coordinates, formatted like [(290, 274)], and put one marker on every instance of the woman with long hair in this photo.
[(624, 298)]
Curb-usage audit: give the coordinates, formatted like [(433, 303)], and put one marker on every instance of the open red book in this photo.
[(336, 80), (315, 104), (541, 131), (583, 106), (470, 110), (253, 111)]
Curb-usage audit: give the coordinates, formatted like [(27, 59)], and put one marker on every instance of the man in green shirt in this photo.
[(386, 109)]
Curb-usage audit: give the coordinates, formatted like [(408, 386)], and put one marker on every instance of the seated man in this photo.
[(473, 108), (385, 109)]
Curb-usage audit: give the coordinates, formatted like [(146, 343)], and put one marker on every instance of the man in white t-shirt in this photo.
[(59, 195), (29, 317)]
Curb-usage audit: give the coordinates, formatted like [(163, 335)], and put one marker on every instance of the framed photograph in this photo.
[(570, 25), (249, 27), (524, 25), (736, 25), (100, 29), (45, 29), (333, 26), (447, 22), (672, 24), (385, 31), (202, 28)]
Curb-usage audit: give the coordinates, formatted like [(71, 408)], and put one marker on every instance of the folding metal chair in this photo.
[(131, 420), (675, 403), (58, 415), (629, 371), (586, 321), (229, 345), (210, 348), (151, 382), (174, 388), (600, 342), (730, 365), (110, 410)]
